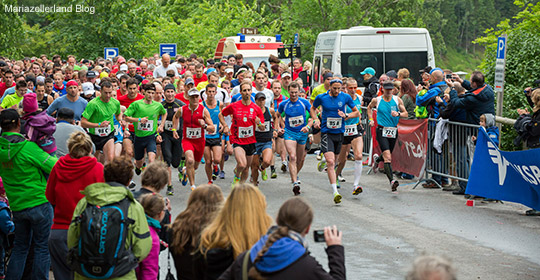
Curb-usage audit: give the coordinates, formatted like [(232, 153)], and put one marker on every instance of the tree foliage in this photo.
[(11, 31)]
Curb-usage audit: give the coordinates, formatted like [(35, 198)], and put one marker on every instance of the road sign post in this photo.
[(167, 49), (110, 53), (499, 72)]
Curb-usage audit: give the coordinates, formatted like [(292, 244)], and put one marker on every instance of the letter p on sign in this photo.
[(501, 48)]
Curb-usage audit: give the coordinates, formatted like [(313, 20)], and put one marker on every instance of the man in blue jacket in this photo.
[(432, 99)]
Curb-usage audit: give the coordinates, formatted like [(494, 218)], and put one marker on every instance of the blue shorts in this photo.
[(261, 146), (299, 137), (141, 143)]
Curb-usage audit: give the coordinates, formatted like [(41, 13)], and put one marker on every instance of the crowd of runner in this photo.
[(139, 114)]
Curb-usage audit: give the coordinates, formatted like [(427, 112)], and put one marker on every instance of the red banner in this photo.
[(410, 152)]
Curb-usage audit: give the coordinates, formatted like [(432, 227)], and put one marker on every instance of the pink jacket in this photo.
[(149, 268)]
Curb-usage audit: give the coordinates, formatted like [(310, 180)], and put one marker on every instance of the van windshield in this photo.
[(353, 63)]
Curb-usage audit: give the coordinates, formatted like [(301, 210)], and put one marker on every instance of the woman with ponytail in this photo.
[(282, 253)]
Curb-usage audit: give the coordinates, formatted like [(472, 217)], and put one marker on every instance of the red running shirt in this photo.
[(192, 129), (243, 122), (126, 101)]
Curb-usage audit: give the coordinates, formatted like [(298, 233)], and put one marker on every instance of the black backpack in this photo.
[(101, 249)]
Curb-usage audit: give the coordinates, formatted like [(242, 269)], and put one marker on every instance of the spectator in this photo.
[(282, 252), (239, 224), (431, 267), (431, 101), (6, 229), (478, 100), (408, 95), (203, 204), (371, 83), (403, 74), (451, 113), (65, 126), (117, 173), (38, 126), (154, 208), (23, 165), (71, 174)]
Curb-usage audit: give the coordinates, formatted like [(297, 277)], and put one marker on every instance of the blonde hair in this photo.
[(79, 144), (240, 223), (403, 73), (424, 267), (535, 97)]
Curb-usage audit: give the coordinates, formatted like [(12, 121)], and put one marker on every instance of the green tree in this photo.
[(11, 31)]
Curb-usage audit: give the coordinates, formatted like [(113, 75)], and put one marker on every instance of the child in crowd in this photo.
[(6, 227), (154, 208), (488, 122)]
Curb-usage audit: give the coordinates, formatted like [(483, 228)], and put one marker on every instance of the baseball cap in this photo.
[(123, 67), (392, 74), (193, 92), (241, 70), (169, 86), (260, 94), (388, 85), (229, 70), (190, 81), (286, 74), (88, 88), (65, 113), (427, 69), (148, 73), (368, 70), (91, 74), (327, 75), (72, 83), (210, 62), (9, 116)]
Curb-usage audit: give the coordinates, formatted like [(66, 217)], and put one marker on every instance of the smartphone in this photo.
[(449, 76), (318, 236)]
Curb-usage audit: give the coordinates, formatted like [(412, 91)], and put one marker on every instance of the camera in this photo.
[(318, 236), (449, 76)]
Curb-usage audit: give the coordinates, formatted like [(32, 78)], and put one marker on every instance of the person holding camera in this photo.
[(282, 252)]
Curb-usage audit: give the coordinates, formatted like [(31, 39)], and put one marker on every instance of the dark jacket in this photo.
[(475, 102), (372, 87), (288, 259)]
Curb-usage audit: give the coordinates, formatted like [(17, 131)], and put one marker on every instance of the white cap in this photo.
[(123, 67), (229, 70), (193, 92), (88, 88)]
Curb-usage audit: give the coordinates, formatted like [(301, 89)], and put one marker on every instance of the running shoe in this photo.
[(215, 173), (264, 176), (170, 190), (193, 187), (357, 190), (284, 166), (296, 188), (184, 177), (210, 182), (319, 155), (202, 161), (132, 186), (235, 181), (138, 170), (350, 156), (321, 166), (375, 164), (394, 184), (298, 179), (221, 174), (273, 173), (340, 178), (337, 198)]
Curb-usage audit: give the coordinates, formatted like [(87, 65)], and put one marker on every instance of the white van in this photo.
[(349, 51)]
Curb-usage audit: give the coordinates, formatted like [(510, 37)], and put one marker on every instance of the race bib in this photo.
[(245, 132), (103, 131), (148, 126), (296, 121), (351, 130), (168, 125), (193, 132), (389, 132), (333, 123), (266, 127)]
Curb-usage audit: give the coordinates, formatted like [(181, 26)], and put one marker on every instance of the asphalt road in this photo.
[(383, 232)]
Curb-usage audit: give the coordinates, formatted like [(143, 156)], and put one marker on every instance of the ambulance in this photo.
[(347, 52), (255, 48)]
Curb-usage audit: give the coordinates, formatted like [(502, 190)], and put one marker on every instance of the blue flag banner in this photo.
[(501, 175)]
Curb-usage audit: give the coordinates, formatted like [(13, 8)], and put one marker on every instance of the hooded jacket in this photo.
[(39, 128), (428, 99), (289, 259), (68, 178), (22, 171), (149, 268), (475, 102), (101, 194)]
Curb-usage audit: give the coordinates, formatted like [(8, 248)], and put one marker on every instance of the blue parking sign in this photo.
[(167, 48), (501, 48), (110, 53)]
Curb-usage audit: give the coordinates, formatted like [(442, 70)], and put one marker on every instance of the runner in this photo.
[(170, 146), (320, 89), (295, 115), (279, 142), (98, 118), (263, 147), (389, 109), (261, 82), (212, 150), (352, 137), (245, 116), (195, 120), (226, 145), (126, 100), (145, 113), (333, 105)]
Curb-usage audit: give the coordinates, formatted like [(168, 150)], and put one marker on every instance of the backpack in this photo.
[(40, 129), (101, 249)]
